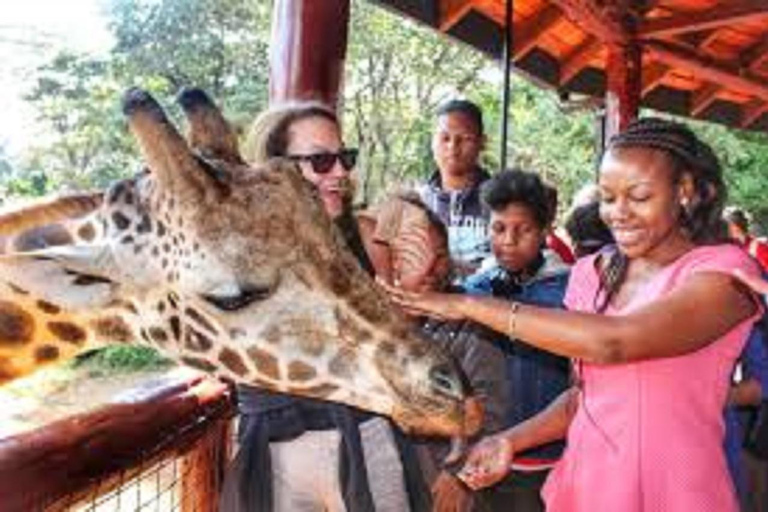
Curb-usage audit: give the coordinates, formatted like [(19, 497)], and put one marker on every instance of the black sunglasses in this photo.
[(322, 163)]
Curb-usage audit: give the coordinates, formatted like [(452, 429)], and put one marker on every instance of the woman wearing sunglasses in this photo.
[(309, 135), (317, 453)]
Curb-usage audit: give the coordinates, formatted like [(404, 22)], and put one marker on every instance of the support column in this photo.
[(307, 50), (623, 86)]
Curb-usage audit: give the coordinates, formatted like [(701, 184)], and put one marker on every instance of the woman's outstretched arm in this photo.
[(704, 308), (490, 460)]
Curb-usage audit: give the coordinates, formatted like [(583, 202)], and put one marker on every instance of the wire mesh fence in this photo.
[(186, 480), (161, 452)]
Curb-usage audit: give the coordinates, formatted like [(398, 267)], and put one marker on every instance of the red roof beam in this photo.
[(604, 20), (753, 111), (757, 55), (577, 61), (452, 11), (652, 76), (703, 98), (726, 13), (708, 69), (526, 39)]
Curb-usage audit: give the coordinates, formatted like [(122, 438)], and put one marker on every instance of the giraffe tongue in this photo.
[(473, 420), (458, 448)]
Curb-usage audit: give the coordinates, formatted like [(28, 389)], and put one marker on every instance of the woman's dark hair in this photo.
[(688, 155), (268, 136), (587, 231), (518, 187)]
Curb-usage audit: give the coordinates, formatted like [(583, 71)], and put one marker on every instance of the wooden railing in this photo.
[(65, 464)]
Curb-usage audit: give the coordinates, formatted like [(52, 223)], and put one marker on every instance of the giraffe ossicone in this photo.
[(225, 267)]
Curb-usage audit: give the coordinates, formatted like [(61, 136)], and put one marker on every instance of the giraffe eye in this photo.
[(243, 298)]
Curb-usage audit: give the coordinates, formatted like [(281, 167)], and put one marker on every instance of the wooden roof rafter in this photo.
[(707, 68), (653, 76), (709, 39), (579, 60), (757, 55), (734, 11), (607, 21), (526, 38), (703, 98), (751, 112), (452, 11), (704, 61)]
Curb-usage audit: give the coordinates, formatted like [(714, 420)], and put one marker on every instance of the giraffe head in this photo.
[(238, 271)]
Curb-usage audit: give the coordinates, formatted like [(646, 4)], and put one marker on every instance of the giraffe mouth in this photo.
[(463, 423), (473, 416)]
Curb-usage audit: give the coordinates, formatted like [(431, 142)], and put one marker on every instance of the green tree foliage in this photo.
[(219, 45), (744, 157), (84, 144), (161, 45), (397, 73)]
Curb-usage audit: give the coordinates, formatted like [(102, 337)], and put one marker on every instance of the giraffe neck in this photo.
[(35, 332)]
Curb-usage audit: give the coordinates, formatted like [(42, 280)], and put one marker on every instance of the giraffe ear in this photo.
[(177, 169), (208, 131), (72, 277)]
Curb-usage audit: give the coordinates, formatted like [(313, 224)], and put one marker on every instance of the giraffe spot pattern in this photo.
[(145, 225), (300, 372), (273, 335), (158, 335), (86, 232), (46, 353), (349, 330), (344, 364), (233, 362), (197, 341), (114, 328), (48, 308), (199, 363), (200, 320), (120, 221), (67, 332), (266, 363), (175, 327), (16, 325), (7, 371)]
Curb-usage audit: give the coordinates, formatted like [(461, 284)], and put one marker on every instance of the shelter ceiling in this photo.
[(706, 59)]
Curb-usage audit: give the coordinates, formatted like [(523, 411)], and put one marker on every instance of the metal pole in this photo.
[(507, 56)]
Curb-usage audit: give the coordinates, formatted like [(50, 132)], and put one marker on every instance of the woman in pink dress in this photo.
[(654, 327)]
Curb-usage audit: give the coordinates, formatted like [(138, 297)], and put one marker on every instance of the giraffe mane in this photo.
[(49, 211)]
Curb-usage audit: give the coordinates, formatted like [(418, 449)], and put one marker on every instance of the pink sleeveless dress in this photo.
[(648, 436)]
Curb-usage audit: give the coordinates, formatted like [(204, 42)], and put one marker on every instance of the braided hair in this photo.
[(688, 155)]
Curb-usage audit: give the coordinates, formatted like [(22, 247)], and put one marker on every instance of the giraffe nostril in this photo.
[(445, 380)]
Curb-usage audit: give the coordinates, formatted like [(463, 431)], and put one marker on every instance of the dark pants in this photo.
[(519, 492)]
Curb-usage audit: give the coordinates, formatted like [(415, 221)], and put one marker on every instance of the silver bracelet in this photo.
[(512, 319)]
